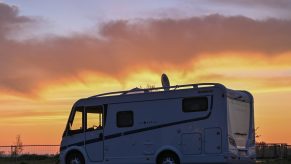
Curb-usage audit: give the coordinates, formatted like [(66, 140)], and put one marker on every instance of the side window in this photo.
[(76, 124), (124, 119), (94, 116), (195, 104)]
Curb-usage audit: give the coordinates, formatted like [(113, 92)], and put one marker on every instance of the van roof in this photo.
[(158, 89), (153, 93)]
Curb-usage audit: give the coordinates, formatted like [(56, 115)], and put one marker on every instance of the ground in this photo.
[(12, 161), (55, 161)]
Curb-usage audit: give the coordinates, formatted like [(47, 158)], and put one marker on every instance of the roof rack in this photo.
[(141, 90)]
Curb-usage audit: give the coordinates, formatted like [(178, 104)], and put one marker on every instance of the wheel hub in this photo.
[(75, 160), (168, 160)]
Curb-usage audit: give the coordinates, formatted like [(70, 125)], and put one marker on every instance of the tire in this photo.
[(75, 158), (168, 158)]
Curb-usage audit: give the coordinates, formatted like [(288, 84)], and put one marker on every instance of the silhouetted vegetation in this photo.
[(18, 148), (30, 159)]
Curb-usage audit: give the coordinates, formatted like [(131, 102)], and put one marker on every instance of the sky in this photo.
[(54, 52)]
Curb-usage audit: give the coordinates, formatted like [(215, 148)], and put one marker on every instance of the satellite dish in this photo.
[(165, 82)]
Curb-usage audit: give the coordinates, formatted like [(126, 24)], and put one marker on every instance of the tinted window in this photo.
[(94, 116), (195, 104), (124, 119)]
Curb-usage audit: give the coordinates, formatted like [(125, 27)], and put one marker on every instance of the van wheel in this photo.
[(75, 158), (168, 158)]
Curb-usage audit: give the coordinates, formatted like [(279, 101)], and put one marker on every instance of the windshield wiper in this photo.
[(241, 134)]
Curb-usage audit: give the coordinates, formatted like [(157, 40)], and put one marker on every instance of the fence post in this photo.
[(11, 150)]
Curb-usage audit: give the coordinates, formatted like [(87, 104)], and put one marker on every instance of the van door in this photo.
[(94, 132)]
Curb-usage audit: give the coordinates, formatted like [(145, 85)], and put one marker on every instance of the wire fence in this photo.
[(263, 151), (13, 150)]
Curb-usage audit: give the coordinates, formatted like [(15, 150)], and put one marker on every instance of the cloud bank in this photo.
[(126, 45)]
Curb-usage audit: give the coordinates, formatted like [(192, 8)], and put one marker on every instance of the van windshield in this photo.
[(238, 121)]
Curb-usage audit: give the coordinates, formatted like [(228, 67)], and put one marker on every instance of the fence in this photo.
[(263, 151), (273, 151), (13, 150)]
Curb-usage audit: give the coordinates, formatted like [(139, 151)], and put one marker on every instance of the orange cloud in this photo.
[(125, 46), (264, 76)]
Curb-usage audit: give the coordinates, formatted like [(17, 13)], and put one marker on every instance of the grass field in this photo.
[(30, 159), (55, 161)]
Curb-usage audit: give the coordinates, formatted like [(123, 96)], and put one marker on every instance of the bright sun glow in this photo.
[(46, 114)]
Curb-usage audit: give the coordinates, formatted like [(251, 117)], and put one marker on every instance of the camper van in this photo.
[(193, 123)]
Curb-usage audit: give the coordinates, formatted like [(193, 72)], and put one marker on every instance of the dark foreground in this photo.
[(55, 161), (30, 159)]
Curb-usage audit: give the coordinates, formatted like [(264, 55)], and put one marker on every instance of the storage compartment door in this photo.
[(212, 140), (191, 143)]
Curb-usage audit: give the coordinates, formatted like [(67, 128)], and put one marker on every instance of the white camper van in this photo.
[(194, 123)]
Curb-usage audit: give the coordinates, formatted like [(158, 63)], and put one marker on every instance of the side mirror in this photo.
[(69, 132)]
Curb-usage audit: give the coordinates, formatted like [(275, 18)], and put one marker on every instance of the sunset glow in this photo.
[(41, 77)]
